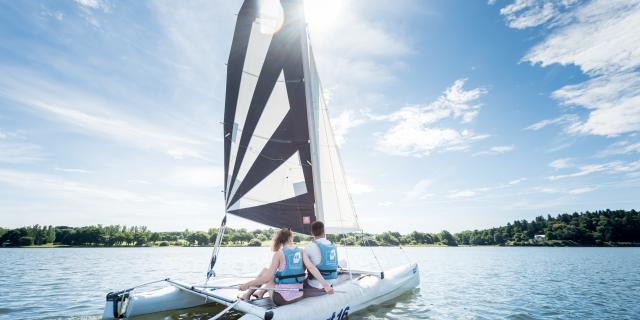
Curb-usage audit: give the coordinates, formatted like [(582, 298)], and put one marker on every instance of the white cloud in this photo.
[(89, 7), (561, 163), (196, 177), (530, 13), (198, 34), (463, 194), (15, 149), (581, 190), (94, 4), (68, 201), (546, 190), (601, 38), (55, 185), (126, 131), (583, 171), (496, 150), (608, 167), (367, 50), (367, 57), (413, 132), (630, 167), (72, 170), (139, 181), (621, 147), (385, 204), (52, 14), (574, 191), (359, 188), (343, 123), (517, 181), (419, 190), (93, 115), (502, 149), (561, 120), (614, 101)]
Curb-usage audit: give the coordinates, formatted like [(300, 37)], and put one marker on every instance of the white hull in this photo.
[(353, 296)]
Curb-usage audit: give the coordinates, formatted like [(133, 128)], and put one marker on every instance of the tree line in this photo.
[(123, 236), (604, 227)]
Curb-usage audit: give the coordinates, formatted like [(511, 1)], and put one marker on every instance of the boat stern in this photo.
[(115, 305)]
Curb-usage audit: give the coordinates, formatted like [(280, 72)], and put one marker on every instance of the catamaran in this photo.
[(282, 169)]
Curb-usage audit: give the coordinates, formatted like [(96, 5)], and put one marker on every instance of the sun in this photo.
[(322, 14)]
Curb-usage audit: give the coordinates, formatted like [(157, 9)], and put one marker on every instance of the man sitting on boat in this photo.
[(286, 272), (324, 255)]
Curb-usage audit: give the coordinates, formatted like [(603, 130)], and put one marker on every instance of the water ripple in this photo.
[(456, 283)]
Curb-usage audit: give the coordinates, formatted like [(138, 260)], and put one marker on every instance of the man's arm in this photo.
[(316, 273)]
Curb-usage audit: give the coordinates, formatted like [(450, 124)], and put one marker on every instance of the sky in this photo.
[(450, 114)]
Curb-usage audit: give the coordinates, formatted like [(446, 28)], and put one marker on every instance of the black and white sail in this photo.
[(282, 166)]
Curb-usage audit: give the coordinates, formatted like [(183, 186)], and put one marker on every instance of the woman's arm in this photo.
[(316, 273), (266, 276)]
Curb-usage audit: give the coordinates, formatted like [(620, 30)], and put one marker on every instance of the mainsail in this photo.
[(282, 166)]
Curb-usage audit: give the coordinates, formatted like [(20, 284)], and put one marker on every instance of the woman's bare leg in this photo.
[(247, 295), (260, 293)]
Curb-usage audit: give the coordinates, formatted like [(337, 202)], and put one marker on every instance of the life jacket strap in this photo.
[(328, 271), (300, 275), (322, 272)]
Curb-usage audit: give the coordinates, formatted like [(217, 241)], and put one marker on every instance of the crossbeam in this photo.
[(379, 274), (239, 305)]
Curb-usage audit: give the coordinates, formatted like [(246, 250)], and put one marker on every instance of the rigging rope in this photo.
[(216, 248)]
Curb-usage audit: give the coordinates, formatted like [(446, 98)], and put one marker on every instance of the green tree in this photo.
[(254, 243), (25, 241), (447, 238)]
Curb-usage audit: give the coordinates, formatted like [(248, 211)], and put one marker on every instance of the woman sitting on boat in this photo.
[(286, 272)]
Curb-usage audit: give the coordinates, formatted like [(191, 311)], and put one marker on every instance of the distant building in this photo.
[(539, 238)]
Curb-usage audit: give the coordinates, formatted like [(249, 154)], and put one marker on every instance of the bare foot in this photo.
[(244, 297)]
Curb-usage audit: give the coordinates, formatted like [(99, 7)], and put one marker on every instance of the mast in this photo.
[(312, 118)]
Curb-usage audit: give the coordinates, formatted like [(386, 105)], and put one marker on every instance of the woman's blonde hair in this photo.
[(280, 239)]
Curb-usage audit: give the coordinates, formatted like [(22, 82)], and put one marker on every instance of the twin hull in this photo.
[(364, 291)]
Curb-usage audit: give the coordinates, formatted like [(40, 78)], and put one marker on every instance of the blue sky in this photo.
[(451, 114)]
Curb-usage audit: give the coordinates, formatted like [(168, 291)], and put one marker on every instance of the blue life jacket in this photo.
[(328, 265), (294, 269)]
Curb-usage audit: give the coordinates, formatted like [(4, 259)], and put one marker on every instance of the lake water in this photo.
[(456, 283)]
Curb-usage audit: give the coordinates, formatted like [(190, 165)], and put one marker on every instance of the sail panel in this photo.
[(235, 65), (338, 212), (283, 183), (276, 109), (257, 47), (291, 213)]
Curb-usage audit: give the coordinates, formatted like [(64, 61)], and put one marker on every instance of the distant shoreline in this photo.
[(549, 244), (602, 228)]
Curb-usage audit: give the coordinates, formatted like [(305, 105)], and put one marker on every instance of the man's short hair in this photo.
[(317, 228)]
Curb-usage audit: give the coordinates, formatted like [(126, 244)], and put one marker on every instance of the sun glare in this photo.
[(322, 14), (270, 16)]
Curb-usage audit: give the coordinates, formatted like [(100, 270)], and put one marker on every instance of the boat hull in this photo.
[(353, 296)]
